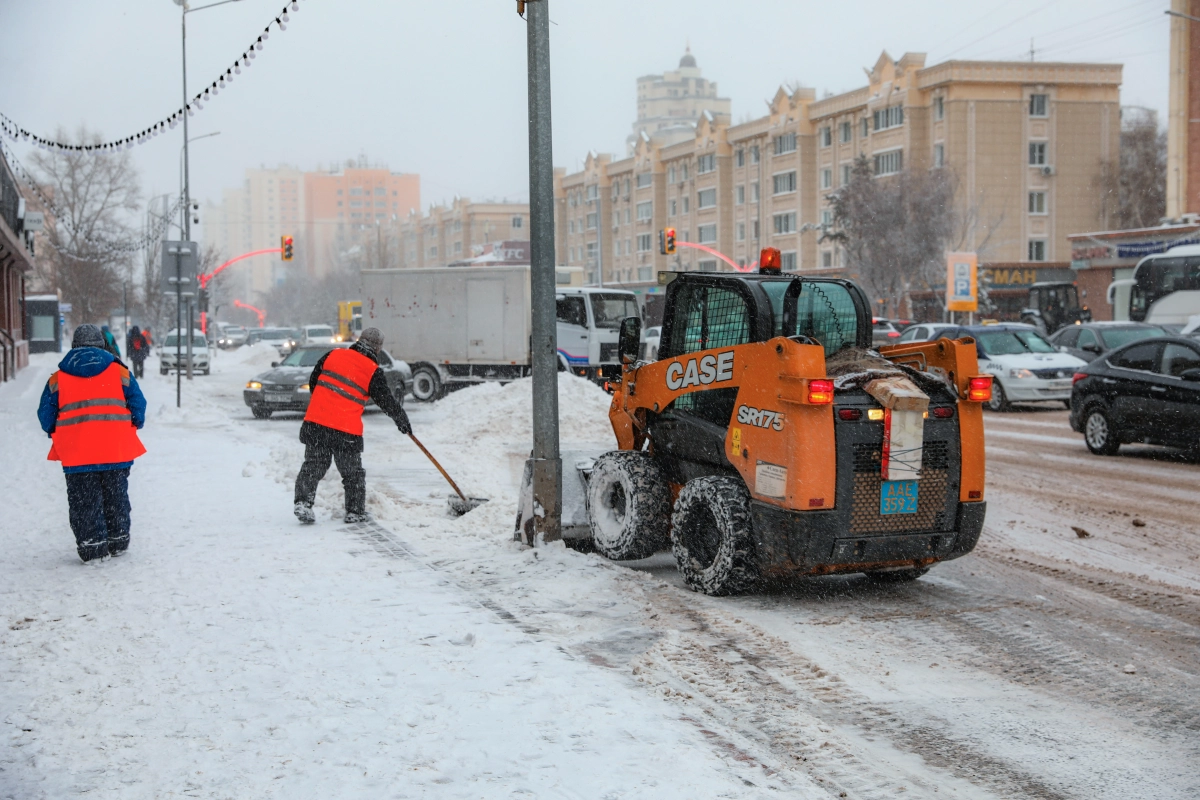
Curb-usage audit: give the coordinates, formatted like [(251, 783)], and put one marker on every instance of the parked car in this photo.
[(232, 336), (1146, 391), (1025, 366), (200, 353), (280, 338), (650, 341), (285, 386), (883, 332), (317, 334), (925, 331), (1090, 339)]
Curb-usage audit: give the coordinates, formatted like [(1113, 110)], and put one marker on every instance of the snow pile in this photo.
[(503, 413), (257, 355)]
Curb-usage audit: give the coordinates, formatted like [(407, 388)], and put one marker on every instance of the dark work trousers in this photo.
[(139, 368), (99, 503), (349, 464)]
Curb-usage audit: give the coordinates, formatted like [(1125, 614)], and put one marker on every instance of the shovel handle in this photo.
[(445, 474)]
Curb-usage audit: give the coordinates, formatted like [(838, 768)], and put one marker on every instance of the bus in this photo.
[(1164, 289)]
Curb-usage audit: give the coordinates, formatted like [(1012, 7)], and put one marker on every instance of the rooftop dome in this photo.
[(688, 59)]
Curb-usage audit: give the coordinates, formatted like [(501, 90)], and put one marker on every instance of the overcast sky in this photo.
[(438, 88)]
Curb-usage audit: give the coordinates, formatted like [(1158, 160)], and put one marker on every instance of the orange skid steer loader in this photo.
[(771, 441)]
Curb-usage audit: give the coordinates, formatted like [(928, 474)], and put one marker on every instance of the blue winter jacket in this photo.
[(88, 362)]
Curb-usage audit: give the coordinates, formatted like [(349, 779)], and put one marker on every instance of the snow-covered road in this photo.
[(236, 654)]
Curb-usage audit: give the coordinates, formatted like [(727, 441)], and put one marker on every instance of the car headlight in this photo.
[(253, 385), (303, 389), (1020, 373)]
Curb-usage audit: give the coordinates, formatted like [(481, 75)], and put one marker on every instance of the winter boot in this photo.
[(304, 513), (92, 550), (353, 517), (117, 545)]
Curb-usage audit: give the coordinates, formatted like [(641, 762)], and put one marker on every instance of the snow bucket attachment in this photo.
[(576, 526)]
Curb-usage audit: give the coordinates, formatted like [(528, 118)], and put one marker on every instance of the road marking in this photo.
[(1030, 437)]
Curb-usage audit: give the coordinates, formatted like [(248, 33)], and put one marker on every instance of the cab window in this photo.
[(571, 311), (707, 317), (826, 312)]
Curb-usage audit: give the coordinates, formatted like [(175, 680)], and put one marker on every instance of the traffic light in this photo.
[(666, 241), (285, 244), (202, 300)]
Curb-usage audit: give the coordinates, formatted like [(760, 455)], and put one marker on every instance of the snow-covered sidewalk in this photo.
[(233, 653)]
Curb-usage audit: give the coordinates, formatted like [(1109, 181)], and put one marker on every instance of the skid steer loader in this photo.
[(769, 440)]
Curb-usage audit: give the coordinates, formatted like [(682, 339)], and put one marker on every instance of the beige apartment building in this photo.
[(668, 105), (460, 231), (1025, 141)]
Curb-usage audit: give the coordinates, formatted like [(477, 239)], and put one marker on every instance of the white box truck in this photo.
[(459, 325)]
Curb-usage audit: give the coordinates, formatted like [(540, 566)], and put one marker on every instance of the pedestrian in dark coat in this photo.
[(92, 408), (139, 351), (341, 382)]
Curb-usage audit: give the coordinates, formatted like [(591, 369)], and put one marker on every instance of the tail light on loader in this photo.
[(820, 392), (979, 390)]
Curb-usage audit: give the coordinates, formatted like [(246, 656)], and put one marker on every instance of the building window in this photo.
[(754, 192), (356, 203), (1037, 154), (457, 248), (939, 108), (379, 190), (787, 261), (1038, 105), (785, 223), (593, 219), (1037, 249), (826, 258), (785, 182), (645, 210), (865, 128), (706, 198), (845, 174), (644, 180), (593, 191), (616, 189), (741, 195), (356, 190), (755, 230), (741, 231), (671, 175), (754, 154), (644, 242), (826, 217), (627, 216), (707, 234), (627, 187), (846, 132), (785, 144), (740, 156), (826, 136), (826, 178), (890, 117), (889, 163), (706, 164), (671, 208), (643, 274), (616, 220), (686, 204), (939, 155), (571, 226), (1037, 202)]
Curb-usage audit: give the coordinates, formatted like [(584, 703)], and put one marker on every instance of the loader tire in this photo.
[(712, 536), (629, 506)]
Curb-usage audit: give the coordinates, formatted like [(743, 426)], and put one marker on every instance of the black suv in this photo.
[(1147, 391)]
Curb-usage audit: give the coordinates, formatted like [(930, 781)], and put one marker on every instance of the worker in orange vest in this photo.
[(92, 409), (341, 382)]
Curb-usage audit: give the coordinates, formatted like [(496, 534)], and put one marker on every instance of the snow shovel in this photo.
[(459, 505)]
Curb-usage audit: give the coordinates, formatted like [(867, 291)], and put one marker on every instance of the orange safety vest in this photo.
[(342, 391), (94, 425)]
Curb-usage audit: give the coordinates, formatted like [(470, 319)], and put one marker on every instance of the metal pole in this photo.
[(178, 325), (191, 310), (187, 194), (547, 463)]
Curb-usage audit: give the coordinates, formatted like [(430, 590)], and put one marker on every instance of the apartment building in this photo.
[(1025, 141), (344, 205), (459, 231), (669, 105)]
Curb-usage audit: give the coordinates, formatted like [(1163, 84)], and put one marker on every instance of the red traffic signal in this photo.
[(285, 245), (666, 241)]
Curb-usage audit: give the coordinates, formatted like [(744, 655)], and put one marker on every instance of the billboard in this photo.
[(962, 281)]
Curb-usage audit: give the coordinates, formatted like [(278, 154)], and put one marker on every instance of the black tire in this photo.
[(427, 384), (999, 401), (712, 536), (205, 372), (629, 506), (261, 413), (1099, 433), (897, 575)]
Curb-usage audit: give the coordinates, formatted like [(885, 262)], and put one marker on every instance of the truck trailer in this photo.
[(463, 325)]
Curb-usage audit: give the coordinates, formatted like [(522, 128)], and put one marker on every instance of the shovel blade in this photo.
[(460, 506)]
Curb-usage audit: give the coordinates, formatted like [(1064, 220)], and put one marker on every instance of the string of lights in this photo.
[(97, 246), (15, 132)]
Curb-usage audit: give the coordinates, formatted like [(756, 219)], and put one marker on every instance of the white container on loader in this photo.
[(457, 325)]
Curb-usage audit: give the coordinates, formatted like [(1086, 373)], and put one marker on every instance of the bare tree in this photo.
[(1134, 188), (894, 230), (92, 194)]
